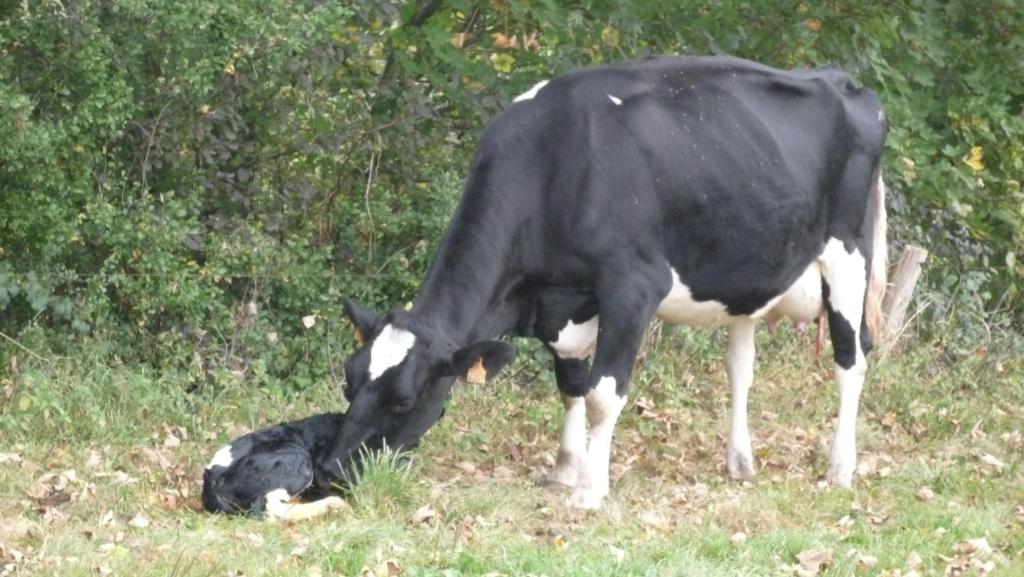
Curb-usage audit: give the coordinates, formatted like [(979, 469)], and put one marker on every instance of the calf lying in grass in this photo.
[(271, 471)]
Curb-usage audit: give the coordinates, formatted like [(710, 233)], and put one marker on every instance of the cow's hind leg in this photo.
[(740, 367), (845, 284), (571, 375), (280, 507)]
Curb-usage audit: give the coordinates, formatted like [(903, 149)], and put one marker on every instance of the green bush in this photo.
[(189, 180)]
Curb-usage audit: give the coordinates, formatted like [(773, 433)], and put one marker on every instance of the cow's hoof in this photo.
[(559, 478), (740, 465), (334, 502), (840, 476), (587, 499)]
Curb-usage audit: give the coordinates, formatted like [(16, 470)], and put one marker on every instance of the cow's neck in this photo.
[(469, 291)]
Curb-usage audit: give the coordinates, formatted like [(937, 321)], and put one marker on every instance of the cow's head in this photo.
[(397, 383)]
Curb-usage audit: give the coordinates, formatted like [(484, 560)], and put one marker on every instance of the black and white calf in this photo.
[(706, 191), (271, 471)]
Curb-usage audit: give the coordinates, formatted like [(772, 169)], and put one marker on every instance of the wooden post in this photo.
[(897, 299)]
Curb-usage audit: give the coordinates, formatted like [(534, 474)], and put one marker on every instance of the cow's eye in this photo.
[(402, 405), (351, 384)]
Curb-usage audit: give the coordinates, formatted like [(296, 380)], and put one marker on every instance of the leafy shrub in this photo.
[(190, 180)]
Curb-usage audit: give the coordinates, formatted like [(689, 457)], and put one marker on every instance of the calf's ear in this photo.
[(480, 361), (364, 321)]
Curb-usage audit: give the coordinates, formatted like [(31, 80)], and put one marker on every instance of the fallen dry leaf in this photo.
[(139, 521), (94, 461), (812, 561), (12, 458), (503, 473), (867, 561), (424, 514), (993, 461), (171, 441), (1014, 439), (653, 519), (914, 560), (978, 546)]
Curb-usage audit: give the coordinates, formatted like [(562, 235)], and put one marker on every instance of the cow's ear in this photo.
[(364, 321), (480, 361)]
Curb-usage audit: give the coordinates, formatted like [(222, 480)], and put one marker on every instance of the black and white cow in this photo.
[(270, 471), (706, 191)]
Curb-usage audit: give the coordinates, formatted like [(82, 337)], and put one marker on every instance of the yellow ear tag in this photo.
[(477, 373), (358, 334)]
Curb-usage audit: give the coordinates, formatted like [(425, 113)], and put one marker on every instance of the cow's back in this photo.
[(732, 170)]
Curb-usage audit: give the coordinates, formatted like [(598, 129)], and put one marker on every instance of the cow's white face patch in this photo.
[(615, 100), (679, 307), (529, 94), (389, 349), (221, 458), (576, 341)]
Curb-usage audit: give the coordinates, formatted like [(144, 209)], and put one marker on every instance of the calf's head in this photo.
[(397, 384)]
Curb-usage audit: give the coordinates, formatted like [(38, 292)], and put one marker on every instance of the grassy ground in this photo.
[(100, 468)]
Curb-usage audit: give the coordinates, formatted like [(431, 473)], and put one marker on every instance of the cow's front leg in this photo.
[(740, 368), (625, 313), (571, 375), (604, 403)]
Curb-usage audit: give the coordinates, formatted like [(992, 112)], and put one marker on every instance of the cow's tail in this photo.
[(879, 260)]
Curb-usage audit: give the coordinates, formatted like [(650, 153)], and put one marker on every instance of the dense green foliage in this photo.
[(185, 181)]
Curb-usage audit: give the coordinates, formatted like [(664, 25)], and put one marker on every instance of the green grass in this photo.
[(468, 504)]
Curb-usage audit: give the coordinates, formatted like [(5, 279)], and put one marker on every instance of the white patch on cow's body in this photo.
[(739, 363), (389, 349), (576, 341), (615, 100), (802, 301), (572, 453), (679, 307), (603, 408), (767, 307), (531, 93), (846, 276), (221, 458), (277, 503)]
